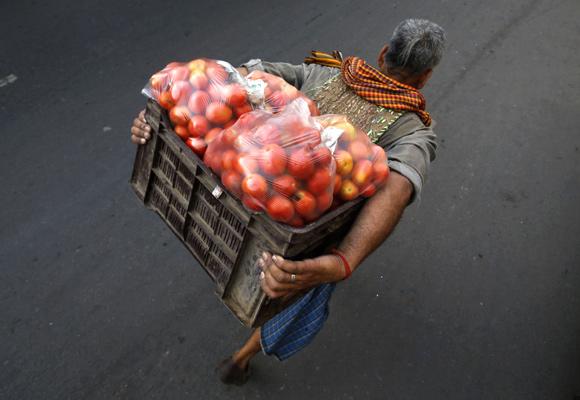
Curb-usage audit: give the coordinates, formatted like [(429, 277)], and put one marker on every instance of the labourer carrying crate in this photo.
[(387, 104)]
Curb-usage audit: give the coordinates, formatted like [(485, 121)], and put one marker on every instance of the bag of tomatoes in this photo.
[(204, 96), (294, 166)]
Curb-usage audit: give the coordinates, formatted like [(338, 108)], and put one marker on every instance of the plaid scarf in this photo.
[(374, 86)]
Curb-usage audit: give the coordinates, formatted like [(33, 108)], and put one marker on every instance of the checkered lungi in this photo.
[(295, 327)]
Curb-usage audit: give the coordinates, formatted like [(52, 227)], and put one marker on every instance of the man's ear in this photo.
[(424, 77), (381, 59)]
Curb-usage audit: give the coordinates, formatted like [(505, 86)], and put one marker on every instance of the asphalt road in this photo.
[(475, 296)]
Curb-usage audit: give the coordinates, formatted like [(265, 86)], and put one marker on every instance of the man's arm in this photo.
[(373, 225)]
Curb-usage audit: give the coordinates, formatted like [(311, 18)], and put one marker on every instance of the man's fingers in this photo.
[(291, 267), (282, 276), (138, 140), (142, 116)]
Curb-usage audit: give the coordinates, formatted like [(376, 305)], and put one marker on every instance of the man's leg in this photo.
[(235, 369)]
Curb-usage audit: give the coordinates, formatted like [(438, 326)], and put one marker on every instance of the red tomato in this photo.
[(359, 150), (182, 132), (198, 126), (171, 65), (198, 101), (216, 73), (276, 100), (158, 82), (251, 203), (212, 134), (165, 100), (280, 208), (178, 73), (368, 190), (322, 156), (348, 190), (229, 160), (179, 115), (378, 154), (380, 172), (198, 145), (305, 203), (272, 159), (229, 136), (337, 184), (218, 113), (285, 185), (362, 173), (246, 164), (296, 221), (198, 80), (180, 92), (233, 182), (197, 65), (266, 134), (235, 95), (300, 164), (320, 181), (323, 202), (243, 109), (255, 185), (308, 135)]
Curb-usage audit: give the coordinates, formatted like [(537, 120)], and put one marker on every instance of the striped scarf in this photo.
[(372, 85)]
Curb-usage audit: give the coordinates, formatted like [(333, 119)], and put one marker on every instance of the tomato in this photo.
[(171, 65), (198, 145), (368, 190), (198, 102), (216, 92), (296, 221), (251, 203), (380, 172), (218, 113), (348, 190), (266, 134), (229, 136), (235, 95), (180, 92), (178, 74), (182, 132), (378, 154), (362, 173), (198, 65), (337, 183), (344, 162), (289, 92), (231, 122), (216, 73), (198, 81), (233, 182), (198, 126), (359, 150), (272, 159), (320, 181), (322, 156), (212, 134), (305, 203), (246, 164), (276, 100), (280, 208), (285, 185), (255, 185), (243, 109), (179, 115), (300, 164), (323, 202), (229, 160), (158, 82), (349, 133), (165, 100)]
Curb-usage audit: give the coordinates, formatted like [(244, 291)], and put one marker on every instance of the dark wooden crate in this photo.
[(224, 237)]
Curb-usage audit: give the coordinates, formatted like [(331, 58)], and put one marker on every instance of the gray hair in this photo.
[(416, 45)]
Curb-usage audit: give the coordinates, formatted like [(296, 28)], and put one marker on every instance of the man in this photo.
[(388, 105)]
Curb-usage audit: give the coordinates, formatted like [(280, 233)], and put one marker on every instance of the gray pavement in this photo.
[(475, 296)]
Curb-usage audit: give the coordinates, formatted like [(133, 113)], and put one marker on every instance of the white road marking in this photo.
[(8, 80)]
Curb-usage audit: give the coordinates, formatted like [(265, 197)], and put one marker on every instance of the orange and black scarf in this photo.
[(372, 85)]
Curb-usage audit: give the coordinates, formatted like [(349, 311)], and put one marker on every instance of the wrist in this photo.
[(344, 265)]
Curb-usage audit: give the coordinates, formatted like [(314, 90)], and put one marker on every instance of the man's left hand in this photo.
[(281, 277)]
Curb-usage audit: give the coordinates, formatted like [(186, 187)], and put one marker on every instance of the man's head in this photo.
[(414, 50)]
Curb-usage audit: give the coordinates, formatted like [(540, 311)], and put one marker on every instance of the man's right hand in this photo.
[(140, 130)]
